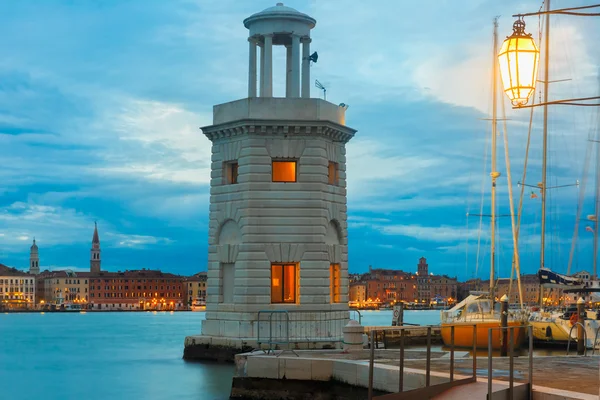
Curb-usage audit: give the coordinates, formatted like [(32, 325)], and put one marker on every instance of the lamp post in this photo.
[(518, 60)]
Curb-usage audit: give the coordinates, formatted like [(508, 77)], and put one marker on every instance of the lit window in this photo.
[(284, 171), (334, 282), (230, 172), (333, 173), (283, 283)]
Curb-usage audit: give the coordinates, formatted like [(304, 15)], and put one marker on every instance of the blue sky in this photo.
[(100, 105)]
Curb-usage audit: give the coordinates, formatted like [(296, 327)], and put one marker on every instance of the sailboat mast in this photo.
[(545, 132), (494, 174), (597, 200)]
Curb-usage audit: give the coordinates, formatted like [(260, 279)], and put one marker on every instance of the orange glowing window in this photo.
[(333, 173), (230, 172), (284, 171), (334, 282), (283, 283)]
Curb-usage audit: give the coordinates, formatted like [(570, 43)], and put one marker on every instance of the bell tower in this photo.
[(277, 231), (95, 251), (34, 259)]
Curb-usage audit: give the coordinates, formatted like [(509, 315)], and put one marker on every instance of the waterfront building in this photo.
[(465, 288), (429, 286), (195, 286), (17, 288), (278, 222), (388, 286), (65, 287), (358, 292), (34, 259), (136, 290), (95, 259)]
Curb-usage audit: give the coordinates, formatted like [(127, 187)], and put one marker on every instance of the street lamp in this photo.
[(519, 58)]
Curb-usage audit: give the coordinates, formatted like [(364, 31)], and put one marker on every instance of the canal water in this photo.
[(135, 355)]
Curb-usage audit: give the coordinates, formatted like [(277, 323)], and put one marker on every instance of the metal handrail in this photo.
[(584, 337), (272, 342), (511, 368), (595, 340), (402, 330), (359, 316)]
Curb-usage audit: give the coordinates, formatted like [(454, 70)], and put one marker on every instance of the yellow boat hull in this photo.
[(463, 334), (548, 331)]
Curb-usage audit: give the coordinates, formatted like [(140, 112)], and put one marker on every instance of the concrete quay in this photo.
[(333, 374)]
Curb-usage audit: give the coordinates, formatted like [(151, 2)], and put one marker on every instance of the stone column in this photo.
[(288, 71), (262, 70), (252, 68), (267, 73), (306, 67), (295, 91)]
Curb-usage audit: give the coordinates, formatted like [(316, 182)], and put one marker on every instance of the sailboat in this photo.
[(480, 309)]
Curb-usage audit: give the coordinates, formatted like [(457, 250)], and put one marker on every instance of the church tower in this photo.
[(95, 252), (278, 230), (34, 259)]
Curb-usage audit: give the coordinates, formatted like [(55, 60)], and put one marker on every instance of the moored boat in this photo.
[(477, 310)]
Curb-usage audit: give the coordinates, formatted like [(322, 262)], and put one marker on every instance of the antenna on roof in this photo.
[(320, 86)]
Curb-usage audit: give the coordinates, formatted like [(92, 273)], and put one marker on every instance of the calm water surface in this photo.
[(135, 355)]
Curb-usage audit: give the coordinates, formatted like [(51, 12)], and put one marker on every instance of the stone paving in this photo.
[(571, 373), (577, 374)]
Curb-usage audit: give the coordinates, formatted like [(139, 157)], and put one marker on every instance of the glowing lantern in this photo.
[(518, 58)]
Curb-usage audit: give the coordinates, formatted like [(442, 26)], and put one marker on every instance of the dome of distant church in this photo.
[(34, 246)]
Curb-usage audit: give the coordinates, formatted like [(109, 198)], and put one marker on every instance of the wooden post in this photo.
[(580, 333), (401, 316), (504, 325)]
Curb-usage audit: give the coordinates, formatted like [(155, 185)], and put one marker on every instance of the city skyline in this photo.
[(113, 136)]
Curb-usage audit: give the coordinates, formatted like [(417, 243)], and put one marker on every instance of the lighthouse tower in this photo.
[(278, 231)]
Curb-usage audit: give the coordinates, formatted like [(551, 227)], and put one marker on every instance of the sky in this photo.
[(101, 104)]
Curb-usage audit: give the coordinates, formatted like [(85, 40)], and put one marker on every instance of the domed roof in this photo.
[(280, 11), (34, 246)]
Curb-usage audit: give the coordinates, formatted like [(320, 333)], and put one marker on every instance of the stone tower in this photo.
[(34, 259), (423, 267), (95, 251), (278, 231)]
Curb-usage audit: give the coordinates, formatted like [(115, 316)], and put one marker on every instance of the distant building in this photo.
[(358, 292), (139, 289), (64, 287), (34, 259), (95, 252), (431, 286), (17, 289), (465, 288), (382, 286), (196, 289)]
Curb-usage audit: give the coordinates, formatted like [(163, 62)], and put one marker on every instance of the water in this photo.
[(98, 355)]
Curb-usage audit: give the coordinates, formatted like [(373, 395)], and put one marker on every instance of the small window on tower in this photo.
[(333, 173), (284, 171), (230, 172)]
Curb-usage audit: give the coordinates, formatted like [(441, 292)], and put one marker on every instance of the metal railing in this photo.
[(511, 351), (277, 339), (584, 337), (428, 390), (286, 327), (595, 341), (359, 316)]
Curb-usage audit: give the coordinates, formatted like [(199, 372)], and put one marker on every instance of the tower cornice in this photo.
[(326, 129)]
